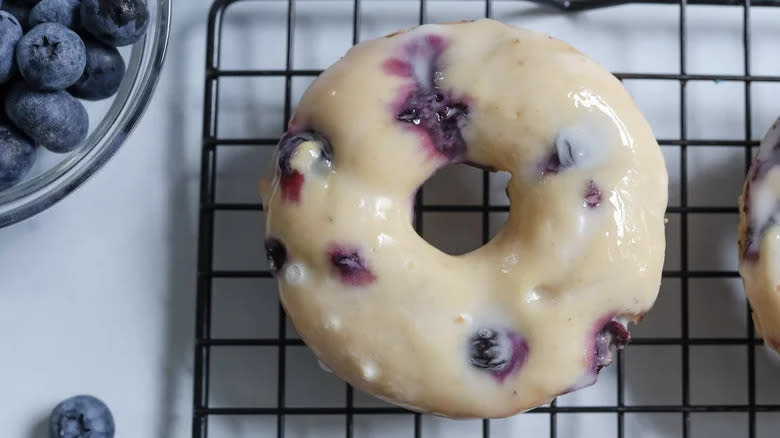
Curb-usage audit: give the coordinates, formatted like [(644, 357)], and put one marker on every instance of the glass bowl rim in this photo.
[(146, 60)]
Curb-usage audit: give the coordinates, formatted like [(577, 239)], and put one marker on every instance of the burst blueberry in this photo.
[(291, 180), (10, 34), (115, 22), (276, 253), (51, 57), (351, 267), (17, 154), (592, 195), (439, 114), (289, 143), (82, 416), (611, 334)]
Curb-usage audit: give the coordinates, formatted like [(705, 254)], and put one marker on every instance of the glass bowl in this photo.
[(43, 189)]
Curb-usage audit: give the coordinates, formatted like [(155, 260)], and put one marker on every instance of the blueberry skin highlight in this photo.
[(51, 57), (10, 34), (65, 12), (17, 155), (115, 22), (82, 416), (103, 72), (54, 120)]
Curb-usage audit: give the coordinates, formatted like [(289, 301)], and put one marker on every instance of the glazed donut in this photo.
[(759, 237), (508, 326)]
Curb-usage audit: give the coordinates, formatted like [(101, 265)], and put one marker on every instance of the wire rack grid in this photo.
[(278, 408)]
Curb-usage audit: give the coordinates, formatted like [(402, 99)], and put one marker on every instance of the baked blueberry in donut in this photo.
[(276, 253), (759, 237), (592, 195), (291, 179), (350, 265), (436, 112), (612, 334), (490, 350), (505, 327), (499, 352)]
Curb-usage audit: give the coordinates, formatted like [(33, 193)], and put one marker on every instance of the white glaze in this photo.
[(761, 277), (552, 273)]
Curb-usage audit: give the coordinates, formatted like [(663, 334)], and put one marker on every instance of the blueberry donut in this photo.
[(759, 237), (530, 315)]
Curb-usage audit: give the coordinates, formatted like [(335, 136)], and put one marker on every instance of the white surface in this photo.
[(97, 293)]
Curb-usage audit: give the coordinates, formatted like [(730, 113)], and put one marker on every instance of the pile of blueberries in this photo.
[(53, 53)]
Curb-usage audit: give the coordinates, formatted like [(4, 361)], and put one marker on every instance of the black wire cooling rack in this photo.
[(209, 206)]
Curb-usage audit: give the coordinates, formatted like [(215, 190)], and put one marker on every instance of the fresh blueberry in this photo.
[(10, 34), (82, 416), (65, 12), (51, 57), (115, 22), (350, 266), (54, 120), (17, 155), (276, 253), (19, 11), (103, 73)]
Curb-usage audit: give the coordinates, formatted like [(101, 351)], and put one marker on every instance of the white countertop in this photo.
[(97, 293)]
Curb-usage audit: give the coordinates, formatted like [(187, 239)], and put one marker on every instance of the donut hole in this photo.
[(451, 217)]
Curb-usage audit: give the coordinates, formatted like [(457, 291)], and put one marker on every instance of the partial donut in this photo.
[(759, 237), (506, 327)]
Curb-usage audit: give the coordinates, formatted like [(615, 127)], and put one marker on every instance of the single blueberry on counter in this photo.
[(51, 57), (103, 73), (115, 22), (65, 12), (82, 416), (10, 34), (54, 120), (17, 155)]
